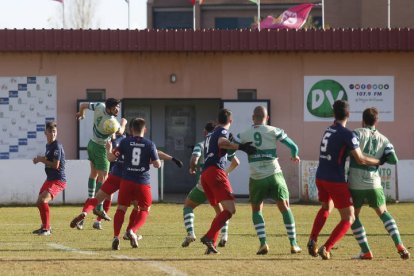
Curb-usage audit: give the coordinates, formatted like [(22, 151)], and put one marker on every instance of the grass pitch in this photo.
[(88, 252)]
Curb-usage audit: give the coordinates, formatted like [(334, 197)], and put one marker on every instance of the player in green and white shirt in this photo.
[(197, 195), (266, 177), (96, 146), (365, 184)]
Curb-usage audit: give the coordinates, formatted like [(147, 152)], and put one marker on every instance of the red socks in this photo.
[(118, 221), (337, 234), (318, 224), (140, 219), (132, 218), (217, 224), (44, 211), (90, 203)]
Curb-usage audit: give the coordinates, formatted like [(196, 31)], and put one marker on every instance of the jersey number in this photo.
[(136, 156), (324, 143), (207, 143), (257, 139)]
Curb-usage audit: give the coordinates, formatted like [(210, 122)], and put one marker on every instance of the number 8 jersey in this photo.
[(138, 154), (337, 142)]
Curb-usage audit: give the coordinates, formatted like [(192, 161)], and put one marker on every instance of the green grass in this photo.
[(69, 251)]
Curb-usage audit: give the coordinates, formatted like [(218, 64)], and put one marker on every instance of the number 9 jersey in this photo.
[(337, 142), (138, 154)]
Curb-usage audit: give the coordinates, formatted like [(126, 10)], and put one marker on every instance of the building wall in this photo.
[(276, 76), (338, 13)]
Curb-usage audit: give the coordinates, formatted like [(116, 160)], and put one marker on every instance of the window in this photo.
[(173, 20), (233, 22), (95, 94), (246, 94)]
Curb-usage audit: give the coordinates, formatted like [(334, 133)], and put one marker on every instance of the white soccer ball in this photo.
[(111, 126)]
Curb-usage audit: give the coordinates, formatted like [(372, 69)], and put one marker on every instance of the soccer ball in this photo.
[(111, 126)]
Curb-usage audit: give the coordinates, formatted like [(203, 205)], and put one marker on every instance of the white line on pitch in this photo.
[(69, 249), (159, 265)]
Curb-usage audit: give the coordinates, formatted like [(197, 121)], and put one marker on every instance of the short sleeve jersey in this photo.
[(336, 143), (264, 162), (138, 153), (54, 151), (373, 144), (116, 166), (99, 117), (213, 155)]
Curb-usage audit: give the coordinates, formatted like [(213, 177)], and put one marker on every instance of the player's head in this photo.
[(130, 126), (112, 106), (341, 110), (260, 115), (224, 117), (370, 116), (209, 127), (138, 127), (51, 131)]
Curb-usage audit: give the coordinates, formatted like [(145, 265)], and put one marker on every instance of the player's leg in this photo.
[(194, 198), (89, 205), (358, 197), (224, 232), (143, 196), (379, 205), (209, 183), (280, 193), (124, 200), (257, 191), (342, 200), (49, 190)]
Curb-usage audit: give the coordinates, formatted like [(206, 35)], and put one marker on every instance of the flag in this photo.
[(254, 1), (61, 1), (127, 1), (292, 18)]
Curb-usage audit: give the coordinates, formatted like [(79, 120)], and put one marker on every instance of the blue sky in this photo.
[(38, 14)]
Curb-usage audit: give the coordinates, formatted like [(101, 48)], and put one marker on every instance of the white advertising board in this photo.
[(320, 92)]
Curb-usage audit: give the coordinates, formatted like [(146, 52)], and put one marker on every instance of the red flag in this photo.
[(293, 18)]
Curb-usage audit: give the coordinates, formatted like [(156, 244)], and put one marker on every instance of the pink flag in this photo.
[(293, 18)]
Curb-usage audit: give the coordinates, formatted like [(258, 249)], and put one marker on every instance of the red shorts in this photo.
[(216, 185), (54, 187), (337, 191), (111, 185), (130, 191)]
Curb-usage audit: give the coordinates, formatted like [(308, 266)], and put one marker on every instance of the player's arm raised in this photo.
[(122, 127), (166, 157), (82, 109)]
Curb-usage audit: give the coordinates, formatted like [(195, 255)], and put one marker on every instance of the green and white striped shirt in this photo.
[(373, 144), (99, 117)]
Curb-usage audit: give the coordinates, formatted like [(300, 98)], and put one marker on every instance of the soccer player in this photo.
[(266, 177), (214, 178), (111, 185), (197, 195), (336, 142), (96, 146), (54, 161), (139, 153), (365, 184)]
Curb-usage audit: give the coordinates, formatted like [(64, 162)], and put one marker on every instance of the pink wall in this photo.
[(276, 76)]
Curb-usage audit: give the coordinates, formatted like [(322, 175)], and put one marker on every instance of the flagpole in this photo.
[(389, 14), (129, 22), (194, 18), (323, 14), (258, 14), (63, 15)]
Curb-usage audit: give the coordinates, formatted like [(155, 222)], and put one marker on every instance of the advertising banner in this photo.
[(320, 92), (309, 192), (26, 103)]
